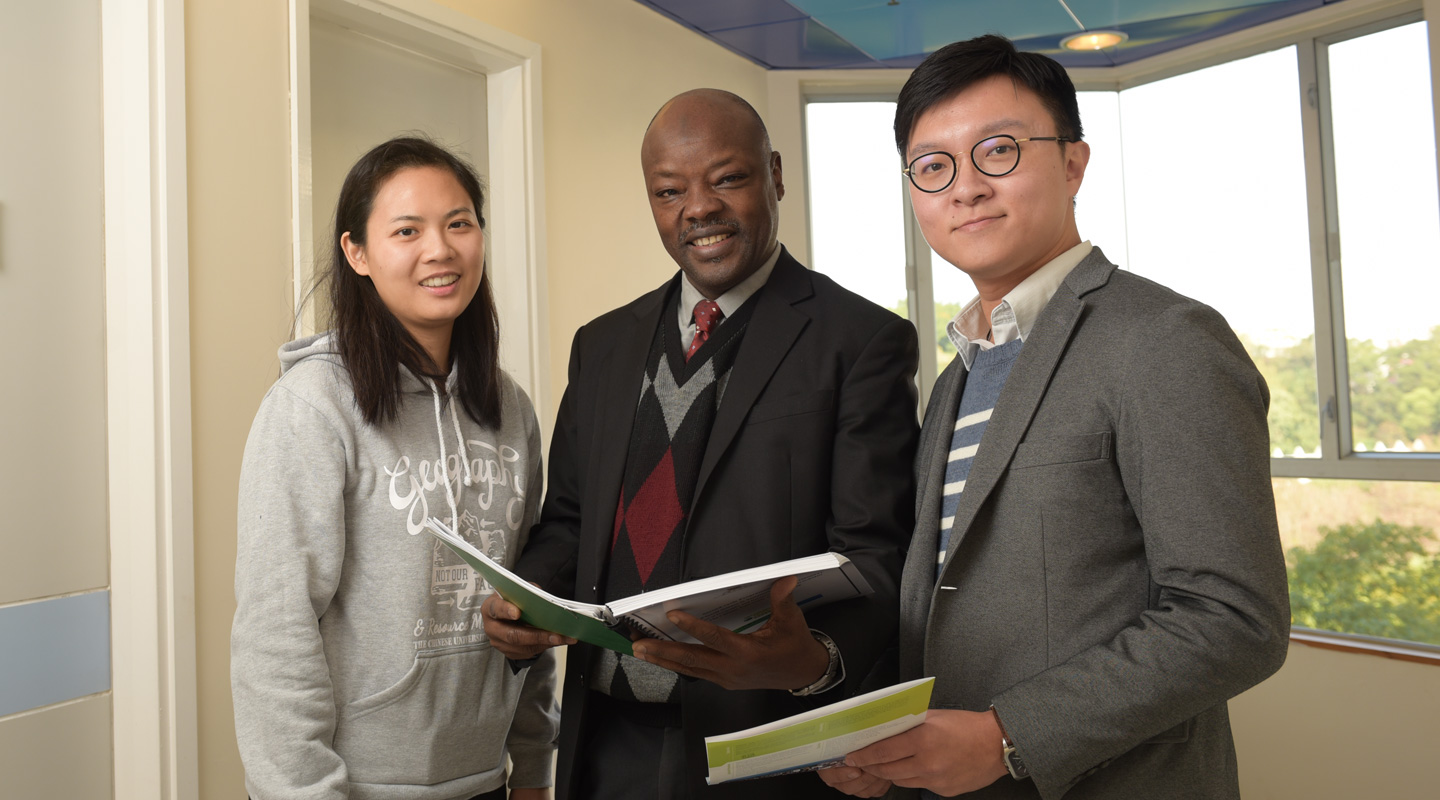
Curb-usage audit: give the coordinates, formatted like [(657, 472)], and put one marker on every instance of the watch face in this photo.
[(1015, 764)]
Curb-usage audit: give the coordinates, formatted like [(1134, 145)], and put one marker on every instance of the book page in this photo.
[(818, 738), (743, 607)]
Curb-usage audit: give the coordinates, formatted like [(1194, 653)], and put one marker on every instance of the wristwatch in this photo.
[(834, 671), (1013, 762)]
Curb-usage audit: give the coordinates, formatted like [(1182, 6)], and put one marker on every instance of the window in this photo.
[(1389, 234), (1293, 190)]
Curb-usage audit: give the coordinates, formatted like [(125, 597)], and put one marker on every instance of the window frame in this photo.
[(1311, 33)]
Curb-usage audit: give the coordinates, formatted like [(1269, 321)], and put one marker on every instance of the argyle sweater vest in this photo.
[(678, 401)]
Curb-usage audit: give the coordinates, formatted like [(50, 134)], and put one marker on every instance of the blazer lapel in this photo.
[(623, 371), (1024, 389), (772, 330), (918, 581)]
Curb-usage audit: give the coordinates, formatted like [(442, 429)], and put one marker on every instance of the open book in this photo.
[(818, 738), (738, 601)]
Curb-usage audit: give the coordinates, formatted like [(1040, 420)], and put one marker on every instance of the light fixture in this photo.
[(1093, 40)]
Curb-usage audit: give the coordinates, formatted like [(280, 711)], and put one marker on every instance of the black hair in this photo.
[(373, 343), (958, 66)]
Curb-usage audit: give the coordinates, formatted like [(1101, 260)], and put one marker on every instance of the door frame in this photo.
[(147, 385), (511, 66)]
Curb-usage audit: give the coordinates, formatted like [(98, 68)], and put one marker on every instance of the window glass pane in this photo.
[(953, 290), (857, 218), (1100, 206), (1362, 556), (1216, 210), (1384, 131)]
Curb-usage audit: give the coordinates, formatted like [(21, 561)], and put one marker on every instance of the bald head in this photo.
[(714, 186), (686, 110)]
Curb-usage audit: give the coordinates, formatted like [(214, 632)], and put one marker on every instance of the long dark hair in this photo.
[(373, 344)]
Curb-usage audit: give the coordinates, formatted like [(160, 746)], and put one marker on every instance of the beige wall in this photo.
[(607, 65), (237, 94), (1340, 725)]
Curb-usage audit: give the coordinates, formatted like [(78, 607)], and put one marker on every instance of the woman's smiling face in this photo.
[(425, 252)]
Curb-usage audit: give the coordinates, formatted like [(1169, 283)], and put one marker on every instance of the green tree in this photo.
[(1294, 410), (1395, 391), (1376, 579)]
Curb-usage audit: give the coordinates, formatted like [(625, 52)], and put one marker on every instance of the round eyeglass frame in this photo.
[(909, 168)]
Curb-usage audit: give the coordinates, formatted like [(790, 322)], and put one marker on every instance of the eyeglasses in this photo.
[(996, 156)]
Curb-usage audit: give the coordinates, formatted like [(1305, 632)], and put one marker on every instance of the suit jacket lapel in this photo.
[(773, 329), (1024, 389), (623, 371), (918, 582)]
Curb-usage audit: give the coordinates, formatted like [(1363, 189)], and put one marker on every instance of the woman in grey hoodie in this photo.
[(358, 662)]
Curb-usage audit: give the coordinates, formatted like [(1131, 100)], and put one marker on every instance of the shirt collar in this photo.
[(1018, 310), (731, 301)]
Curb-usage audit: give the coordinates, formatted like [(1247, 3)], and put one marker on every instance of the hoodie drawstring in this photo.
[(460, 437), (445, 457)]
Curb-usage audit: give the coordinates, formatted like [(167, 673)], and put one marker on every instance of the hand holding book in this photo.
[(513, 638), (781, 654)]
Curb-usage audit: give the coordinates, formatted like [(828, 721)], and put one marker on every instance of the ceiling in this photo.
[(867, 34)]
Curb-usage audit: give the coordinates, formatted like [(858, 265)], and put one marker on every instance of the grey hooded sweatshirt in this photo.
[(358, 663)]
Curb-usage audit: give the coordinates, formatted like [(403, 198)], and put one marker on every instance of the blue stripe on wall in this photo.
[(54, 650)]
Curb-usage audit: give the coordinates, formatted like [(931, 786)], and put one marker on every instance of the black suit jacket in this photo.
[(811, 450)]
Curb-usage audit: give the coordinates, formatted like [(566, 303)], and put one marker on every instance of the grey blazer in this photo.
[(1115, 574)]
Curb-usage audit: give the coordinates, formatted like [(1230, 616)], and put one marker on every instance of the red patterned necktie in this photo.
[(707, 316)]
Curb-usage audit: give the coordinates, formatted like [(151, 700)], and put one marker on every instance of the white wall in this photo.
[(52, 407)]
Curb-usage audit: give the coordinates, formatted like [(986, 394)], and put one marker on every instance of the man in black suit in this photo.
[(746, 412)]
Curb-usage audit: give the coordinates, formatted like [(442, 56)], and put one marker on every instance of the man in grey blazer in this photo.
[(1096, 567)]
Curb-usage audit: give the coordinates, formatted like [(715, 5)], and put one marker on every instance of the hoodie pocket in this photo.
[(446, 718)]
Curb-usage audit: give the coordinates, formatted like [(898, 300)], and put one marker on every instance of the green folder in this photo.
[(820, 737), (539, 608)]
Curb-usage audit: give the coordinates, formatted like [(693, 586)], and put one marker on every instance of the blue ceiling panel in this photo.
[(923, 26), (1162, 35), (708, 16), (898, 34), (1122, 13), (799, 44)]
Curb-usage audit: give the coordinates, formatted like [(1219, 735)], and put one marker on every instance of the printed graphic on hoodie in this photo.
[(497, 493)]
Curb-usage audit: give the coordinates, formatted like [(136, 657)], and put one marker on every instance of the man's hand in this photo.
[(950, 753), (530, 794), (854, 781), (512, 638), (781, 654)]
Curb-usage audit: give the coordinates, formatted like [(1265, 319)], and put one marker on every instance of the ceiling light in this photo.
[(1093, 40)]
